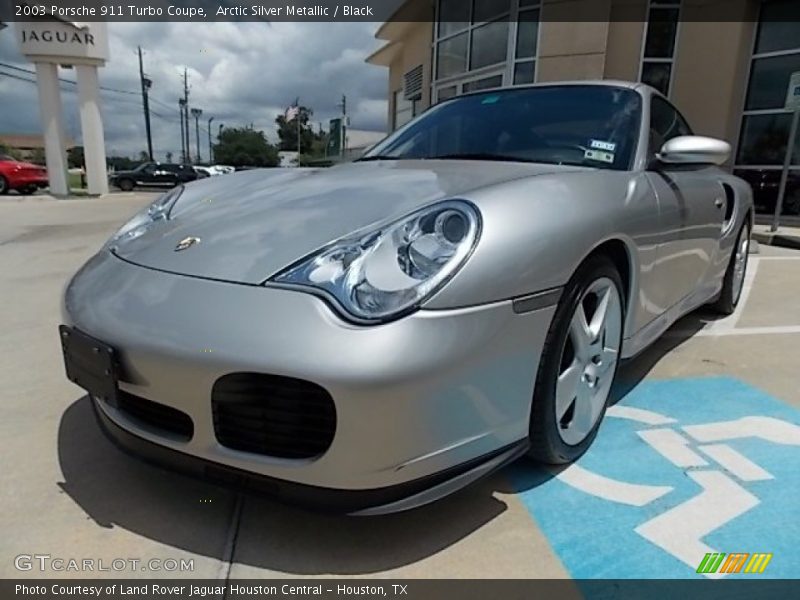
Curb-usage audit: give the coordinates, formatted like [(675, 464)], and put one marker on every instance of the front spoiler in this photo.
[(392, 499)]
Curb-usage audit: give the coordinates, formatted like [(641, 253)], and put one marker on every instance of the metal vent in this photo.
[(272, 415), (412, 84)]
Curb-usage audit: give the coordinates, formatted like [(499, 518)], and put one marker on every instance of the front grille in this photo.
[(273, 415), (157, 416)]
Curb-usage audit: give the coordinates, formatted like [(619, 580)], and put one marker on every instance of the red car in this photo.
[(24, 177)]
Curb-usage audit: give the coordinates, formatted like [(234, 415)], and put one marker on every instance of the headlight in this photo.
[(379, 274), (142, 221)]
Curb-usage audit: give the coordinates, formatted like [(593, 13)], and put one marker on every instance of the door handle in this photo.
[(719, 202)]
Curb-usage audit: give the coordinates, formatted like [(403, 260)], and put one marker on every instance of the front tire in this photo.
[(578, 364), (3, 185), (126, 185), (734, 275)]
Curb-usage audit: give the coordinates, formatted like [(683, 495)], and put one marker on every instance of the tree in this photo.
[(10, 151), (287, 131), (37, 156), (121, 163), (169, 157), (75, 157), (245, 147), (144, 156)]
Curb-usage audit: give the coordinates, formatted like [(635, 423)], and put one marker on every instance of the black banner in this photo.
[(374, 589), (204, 11)]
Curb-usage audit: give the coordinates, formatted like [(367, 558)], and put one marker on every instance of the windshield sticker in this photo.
[(599, 155), (490, 99), (601, 145)]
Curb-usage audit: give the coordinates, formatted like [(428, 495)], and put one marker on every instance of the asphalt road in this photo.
[(68, 493)]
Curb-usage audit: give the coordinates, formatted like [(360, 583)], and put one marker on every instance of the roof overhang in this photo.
[(384, 55)]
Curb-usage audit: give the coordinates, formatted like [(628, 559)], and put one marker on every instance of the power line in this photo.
[(62, 80)]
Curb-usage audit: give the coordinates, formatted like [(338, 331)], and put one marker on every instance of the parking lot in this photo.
[(699, 454)]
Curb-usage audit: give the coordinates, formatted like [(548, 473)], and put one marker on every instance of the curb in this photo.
[(777, 239)]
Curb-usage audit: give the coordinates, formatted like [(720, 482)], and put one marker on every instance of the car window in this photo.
[(588, 125), (665, 123), (6, 157)]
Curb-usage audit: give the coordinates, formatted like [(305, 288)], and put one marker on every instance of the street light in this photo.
[(210, 148), (196, 112)]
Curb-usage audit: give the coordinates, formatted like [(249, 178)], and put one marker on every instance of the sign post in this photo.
[(793, 104)]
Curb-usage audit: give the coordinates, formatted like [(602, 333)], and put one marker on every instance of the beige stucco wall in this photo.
[(416, 50), (711, 69), (625, 38), (570, 48)]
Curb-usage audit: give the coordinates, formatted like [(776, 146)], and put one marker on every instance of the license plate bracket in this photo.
[(90, 364)]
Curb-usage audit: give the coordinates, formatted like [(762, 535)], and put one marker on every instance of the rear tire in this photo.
[(3, 185), (734, 275), (578, 363), (126, 185)]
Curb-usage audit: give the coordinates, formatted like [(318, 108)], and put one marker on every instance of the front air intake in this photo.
[(272, 415)]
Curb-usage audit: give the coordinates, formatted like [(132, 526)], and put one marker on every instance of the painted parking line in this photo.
[(680, 469)]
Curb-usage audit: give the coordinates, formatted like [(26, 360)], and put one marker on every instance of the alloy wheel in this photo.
[(740, 263), (588, 360)]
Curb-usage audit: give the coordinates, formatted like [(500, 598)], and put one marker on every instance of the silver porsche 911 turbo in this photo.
[(371, 337)]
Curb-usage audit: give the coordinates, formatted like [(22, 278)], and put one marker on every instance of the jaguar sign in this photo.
[(63, 42)]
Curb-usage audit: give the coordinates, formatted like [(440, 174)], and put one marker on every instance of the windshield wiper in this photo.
[(378, 157), (487, 156)]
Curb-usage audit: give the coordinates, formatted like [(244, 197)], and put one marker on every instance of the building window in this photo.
[(484, 43), (658, 49), (404, 110), (764, 133)]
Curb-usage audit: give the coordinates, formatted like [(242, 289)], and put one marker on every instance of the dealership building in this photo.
[(725, 64)]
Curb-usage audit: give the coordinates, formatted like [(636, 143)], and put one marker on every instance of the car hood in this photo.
[(252, 224)]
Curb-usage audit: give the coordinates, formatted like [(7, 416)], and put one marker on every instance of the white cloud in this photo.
[(239, 73)]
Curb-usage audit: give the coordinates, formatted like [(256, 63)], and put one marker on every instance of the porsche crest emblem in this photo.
[(186, 243)]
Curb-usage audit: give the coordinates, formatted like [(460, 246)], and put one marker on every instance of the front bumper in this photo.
[(421, 402)]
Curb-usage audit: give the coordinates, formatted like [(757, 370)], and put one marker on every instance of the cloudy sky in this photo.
[(239, 73)]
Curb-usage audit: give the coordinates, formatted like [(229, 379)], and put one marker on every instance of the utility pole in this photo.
[(196, 112), (186, 114), (210, 147), (181, 103), (343, 105), (146, 84)]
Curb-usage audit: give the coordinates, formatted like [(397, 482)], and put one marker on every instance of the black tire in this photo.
[(3, 185), (729, 298), (547, 446), (126, 185)]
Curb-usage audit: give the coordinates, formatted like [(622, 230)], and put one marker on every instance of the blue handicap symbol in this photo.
[(679, 468)]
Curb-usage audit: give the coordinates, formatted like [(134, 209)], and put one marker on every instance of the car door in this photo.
[(167, 175), (146, 175), (691, 211)]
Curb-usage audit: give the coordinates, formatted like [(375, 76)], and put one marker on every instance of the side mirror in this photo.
[(694, 150)]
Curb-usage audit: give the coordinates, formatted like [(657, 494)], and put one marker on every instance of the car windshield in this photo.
[(588, 125), (5, 157)]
